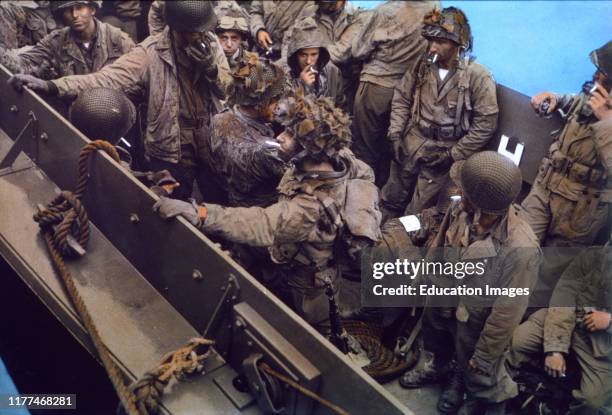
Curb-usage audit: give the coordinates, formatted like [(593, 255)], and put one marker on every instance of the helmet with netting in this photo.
[(60, 5), (190, 15), (321, 128), (602, 59), (450, 23), (230, 16), (258, 81), (489, 180), (103, 113)]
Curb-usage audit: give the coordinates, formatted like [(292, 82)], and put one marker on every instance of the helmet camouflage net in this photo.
[(450, 23), (103, 113), (230, 16), (602, 59), (489, 180), (319, 126), (190, 15), (258, 81), (59, 5)]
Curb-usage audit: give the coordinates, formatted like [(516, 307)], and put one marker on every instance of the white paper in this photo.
[(411, 223)]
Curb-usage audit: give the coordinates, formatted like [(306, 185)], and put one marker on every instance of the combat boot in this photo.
[(428, 370), (451, 397)]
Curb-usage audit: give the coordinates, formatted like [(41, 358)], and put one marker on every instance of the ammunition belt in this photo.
[(440, 132), (578, 172)]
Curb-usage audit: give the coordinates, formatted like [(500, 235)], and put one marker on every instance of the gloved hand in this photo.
[(163, 182), (202, 54), (397, 146), (170, 208), (18, 81), (436, 156)]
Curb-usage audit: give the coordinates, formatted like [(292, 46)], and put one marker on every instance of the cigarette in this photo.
[(313, 70), (203, 45), (124, 141), (593, 89), (434, 59), (272, 143)]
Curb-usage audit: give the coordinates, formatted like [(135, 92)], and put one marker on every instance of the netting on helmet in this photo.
[(490, 181), (103, 113), (450, 23), (320, 127), (190, 15), (258, 81)]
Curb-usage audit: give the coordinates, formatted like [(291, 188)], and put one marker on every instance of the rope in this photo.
[(149, 389), (67, 212), (302, 390)]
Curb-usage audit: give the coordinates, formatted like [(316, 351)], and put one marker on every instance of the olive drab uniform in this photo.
[(584, 284), (389, 44), (302, 230), (122, 14), (24, 23), (60, 53), (482, 332), (179, 103), (328, 82), (458, 112), (569, 204)]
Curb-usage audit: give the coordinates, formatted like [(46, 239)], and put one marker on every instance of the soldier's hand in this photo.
[(18, 81), (601, 103), (537, 100), (264, 39), (201, 54), (170, 208), (308, 75), (597, 320), (554, 365), (397, 146)]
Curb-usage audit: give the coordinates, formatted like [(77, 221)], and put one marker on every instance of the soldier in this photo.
[(569, 202), (442, 112), (309, 66), (241, 149), (86, 45), (123, 14), (270, 19), (389, 45), (233, 32), (577, 324), (325, 190), (107, 114), (484, 226), (24, 23), (179, 71)]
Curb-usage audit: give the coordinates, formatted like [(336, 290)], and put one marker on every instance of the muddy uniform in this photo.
[(275, 17), (459, 112), (482, 333), (178, 107), (301, 232), (328, 81), (389, 44), (122, 14), (61, 54), (245, 164), (25, 23), (585, 283)]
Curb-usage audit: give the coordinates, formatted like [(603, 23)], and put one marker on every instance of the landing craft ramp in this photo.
[(151, 285)]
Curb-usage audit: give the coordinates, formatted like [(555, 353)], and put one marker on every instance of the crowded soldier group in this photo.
[(310, 127)]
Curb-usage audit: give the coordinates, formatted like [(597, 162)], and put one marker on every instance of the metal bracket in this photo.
[(20, 142), (262, 388), (230, 296)]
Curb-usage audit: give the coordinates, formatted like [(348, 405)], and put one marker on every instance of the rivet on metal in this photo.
[(44, 137), (14, 108), (197, 275), (134, 218)]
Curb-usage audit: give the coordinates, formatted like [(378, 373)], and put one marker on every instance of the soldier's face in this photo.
[(79, 17), (307, 57), (266, 111), (188, 38), (288, 144), (230, 42), (446, 50), (330, 7)]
